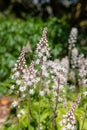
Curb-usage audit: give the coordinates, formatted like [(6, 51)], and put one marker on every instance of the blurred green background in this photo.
[(23, 20)]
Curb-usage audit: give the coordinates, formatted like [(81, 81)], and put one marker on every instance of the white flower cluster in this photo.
[(18, 73), (23, 76), (68, 121), (74, 57), (29, 75), (31, 91), (58, 73), (44, 70), (21, 64), (41, 126), (42, 48), (21, 112), (43, 66), (22, 88), (14, 103), (41, 93), (82, 66), (59, 70), (42, 53), (85, 93), (72, 38)]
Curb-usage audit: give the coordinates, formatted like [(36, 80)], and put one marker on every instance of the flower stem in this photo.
[(18, 94), (39, 115), (29, 108), (69, 57), (55, 109), (39, 95)]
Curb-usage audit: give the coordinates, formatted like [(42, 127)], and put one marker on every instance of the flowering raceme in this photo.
[(72, 37), (42, 54), (74, 58), (18, 69), (68, 121), (59, 70), (17, 76), (82, 69), (29, 75), (42, 48), (23, 76)]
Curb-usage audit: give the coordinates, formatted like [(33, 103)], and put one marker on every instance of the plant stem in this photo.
[(55, 109), (39, 114), (39, 95), (28, 108), (84, 118), (18, 94), (69, 57)]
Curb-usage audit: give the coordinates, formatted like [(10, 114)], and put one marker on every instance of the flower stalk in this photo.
[(55, 109), (39, 89), (29, 108)]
